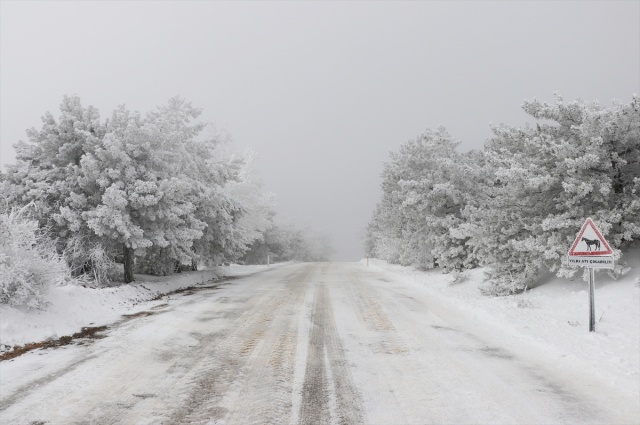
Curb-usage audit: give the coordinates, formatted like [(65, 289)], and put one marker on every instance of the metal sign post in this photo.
[(592, 302), (591, 250)]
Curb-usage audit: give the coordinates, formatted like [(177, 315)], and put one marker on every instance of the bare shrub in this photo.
[(91, 262), (458, 276), (29, 262)]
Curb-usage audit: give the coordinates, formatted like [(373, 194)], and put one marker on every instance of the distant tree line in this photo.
[(516, 206), (149, 192)]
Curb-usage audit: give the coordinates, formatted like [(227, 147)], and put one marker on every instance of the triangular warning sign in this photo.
[(590, 241)]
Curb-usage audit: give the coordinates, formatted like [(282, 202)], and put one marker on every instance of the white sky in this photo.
[(323, 91)]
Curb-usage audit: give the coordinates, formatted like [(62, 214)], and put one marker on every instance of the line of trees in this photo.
[(515, 206), (151, 192)]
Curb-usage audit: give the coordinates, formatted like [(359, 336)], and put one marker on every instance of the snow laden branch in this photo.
[(515, 206)]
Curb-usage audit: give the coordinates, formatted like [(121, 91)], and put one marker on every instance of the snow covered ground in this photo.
[(553, 318), (71, 307), (342, 343)]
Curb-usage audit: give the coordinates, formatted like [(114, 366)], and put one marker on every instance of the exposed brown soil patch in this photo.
[(92, 332), (190, 290), (139, 314)]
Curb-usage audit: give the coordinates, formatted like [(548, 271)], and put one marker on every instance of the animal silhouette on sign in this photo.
[(594, 242)]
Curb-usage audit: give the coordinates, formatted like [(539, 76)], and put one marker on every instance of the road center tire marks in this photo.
[(265, 395), (371, 313), (327, 376), (305, 344), (246, 376)]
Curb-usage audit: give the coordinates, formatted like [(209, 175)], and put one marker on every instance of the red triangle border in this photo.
[(589, 222)]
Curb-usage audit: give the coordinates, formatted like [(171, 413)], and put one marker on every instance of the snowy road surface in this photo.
[(307, 343)]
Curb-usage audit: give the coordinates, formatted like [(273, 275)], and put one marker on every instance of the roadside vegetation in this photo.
[(516, 206), (91, 201)]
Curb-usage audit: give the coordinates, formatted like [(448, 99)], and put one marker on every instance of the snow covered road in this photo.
[(306, 343)]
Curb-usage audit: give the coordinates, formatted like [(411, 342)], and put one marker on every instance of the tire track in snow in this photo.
[(265, 396), (273, 350), (460, 377), (233, 381), (420, 382), (314, 408), (328, 392), (26, 389), (384, 352), (371, 313)]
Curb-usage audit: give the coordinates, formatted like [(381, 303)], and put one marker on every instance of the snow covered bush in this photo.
[(29, 262)]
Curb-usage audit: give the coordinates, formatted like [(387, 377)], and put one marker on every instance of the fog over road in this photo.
[(324, 343)]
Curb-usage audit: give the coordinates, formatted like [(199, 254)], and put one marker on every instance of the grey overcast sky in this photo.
[(323, 91)]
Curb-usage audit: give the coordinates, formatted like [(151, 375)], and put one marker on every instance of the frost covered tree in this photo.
[(516, 206), (268, 247), (150, 187), (159, 182), (384, 232), (48, 175), (47, 171), (286, 240), (309, 243), (581, 160), (426, 185), (254, 214)]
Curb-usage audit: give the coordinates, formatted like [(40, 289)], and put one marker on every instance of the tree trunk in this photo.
[(128, 264)]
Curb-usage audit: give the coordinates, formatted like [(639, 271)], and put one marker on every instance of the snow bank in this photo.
[(71, 307), (553, 318)]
